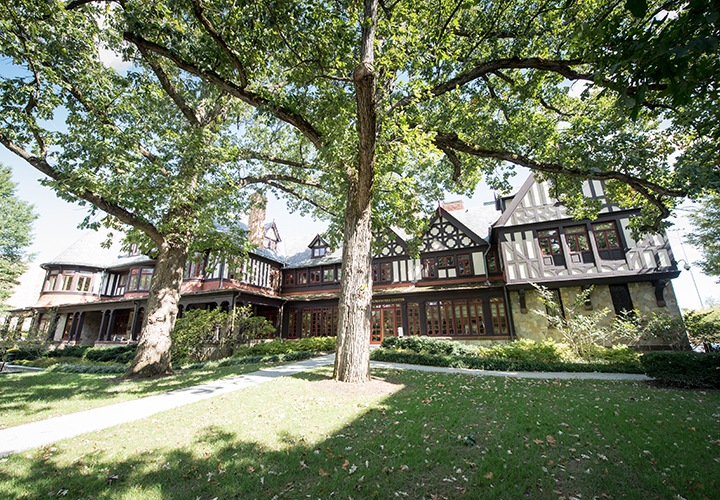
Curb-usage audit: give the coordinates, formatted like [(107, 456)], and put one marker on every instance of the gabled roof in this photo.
[(476, 220), (517, 199), (297, 253), (88, 251)]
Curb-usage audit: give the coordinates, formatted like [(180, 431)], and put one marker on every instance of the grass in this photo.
[(428, 435), (29, 397)]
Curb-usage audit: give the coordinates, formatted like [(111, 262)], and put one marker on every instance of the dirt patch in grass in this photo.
[(376, 386)]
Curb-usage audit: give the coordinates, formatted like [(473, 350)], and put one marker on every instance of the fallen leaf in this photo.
[(323, 472), (550, 439), (488, 475), (538, 441), (345, 464)]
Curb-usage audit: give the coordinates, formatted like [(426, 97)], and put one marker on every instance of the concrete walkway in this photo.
[(36, 434)]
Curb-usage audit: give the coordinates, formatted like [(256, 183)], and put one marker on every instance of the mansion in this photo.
[(471, 281)]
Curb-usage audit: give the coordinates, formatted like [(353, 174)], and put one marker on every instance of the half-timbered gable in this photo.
[(540, 243)]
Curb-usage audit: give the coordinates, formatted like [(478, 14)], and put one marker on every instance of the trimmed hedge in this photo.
[(121, 354), (311, 344), (101, 369), (479, 363), (683, 369), (246, 360)]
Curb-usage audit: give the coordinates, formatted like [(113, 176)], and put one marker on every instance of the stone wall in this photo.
[(533, 326)]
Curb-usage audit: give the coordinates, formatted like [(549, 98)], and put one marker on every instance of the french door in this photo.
[(386, 319)]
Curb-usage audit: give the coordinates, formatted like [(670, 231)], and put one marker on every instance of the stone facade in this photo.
[(533, 326)]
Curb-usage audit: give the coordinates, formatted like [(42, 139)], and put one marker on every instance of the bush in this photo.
[(234, 361), (311, 344), (429, 346), (24, 353), (684, 369), (526, 350), (483, 363), (70, 351), (101, 369), (704, 328), (121, 354)]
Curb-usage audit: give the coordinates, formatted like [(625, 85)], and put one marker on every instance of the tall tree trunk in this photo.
[(152, 357), (352, 360)]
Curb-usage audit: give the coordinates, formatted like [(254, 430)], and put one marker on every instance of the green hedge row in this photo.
[(480, 363), (246, 360), (683, 369), (101, 369), (311, 344)]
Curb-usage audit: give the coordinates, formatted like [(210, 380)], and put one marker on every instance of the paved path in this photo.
[(33, 435)]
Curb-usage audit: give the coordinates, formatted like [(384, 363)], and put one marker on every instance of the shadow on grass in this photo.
[(439, 436), (34, 396)]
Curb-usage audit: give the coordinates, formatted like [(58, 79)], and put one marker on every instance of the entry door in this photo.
[(386, 319)]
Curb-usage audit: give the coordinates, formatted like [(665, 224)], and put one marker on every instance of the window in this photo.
[(491, 262), (132, 285), (316, 322), (499, 320), (621, 298), (306, 322), (314, 276), (577, 238), (274, 278), (329, 275), (549, 242), (195, 269), (413, 318), (292, 324), (374, 274), (83, 283), (432, 315), (145, 278), (318, 252), (289, 278), (385, 272), (67, 280), (337, 274), (270, 243), (464, 268), (606, 235), (477, 324), (429, 268), (52, 280), (326, 329), (302, 278), (446, 261), (134, 250)]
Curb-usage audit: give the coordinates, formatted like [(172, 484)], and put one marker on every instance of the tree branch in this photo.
[(443, 141), (96, 200), (246, 96), (302, 197), (199, 11), (266, 179), (187, 110), (274, 159)]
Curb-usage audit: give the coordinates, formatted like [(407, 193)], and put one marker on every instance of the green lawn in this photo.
[(28, 397), (426, 435)]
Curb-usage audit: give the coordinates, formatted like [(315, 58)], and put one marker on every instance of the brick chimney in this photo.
[(256, 220), (452, 206)]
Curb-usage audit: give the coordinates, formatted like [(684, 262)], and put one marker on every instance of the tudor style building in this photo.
[(471, 281)]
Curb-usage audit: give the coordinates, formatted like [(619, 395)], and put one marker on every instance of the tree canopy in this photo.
[(367, 112), (15, 234)]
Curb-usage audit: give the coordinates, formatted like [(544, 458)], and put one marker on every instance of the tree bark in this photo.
[(352, 358), (152, 357)]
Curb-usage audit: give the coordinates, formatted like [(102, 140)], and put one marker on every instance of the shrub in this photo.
[(704, 328), (429, 345), (120, 354), (273, 358), (195, 329), (526, 350), (684, 369), (25, 353), (101, 369), (484, 363), (69, 351), (635, 329), (311, 344)]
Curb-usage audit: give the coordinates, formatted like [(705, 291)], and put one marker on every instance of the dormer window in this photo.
[(319, 247)]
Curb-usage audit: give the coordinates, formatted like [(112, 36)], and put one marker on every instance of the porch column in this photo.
[(137, 323), (79, 326), (73, 325), (110, 324), (103, 324)]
